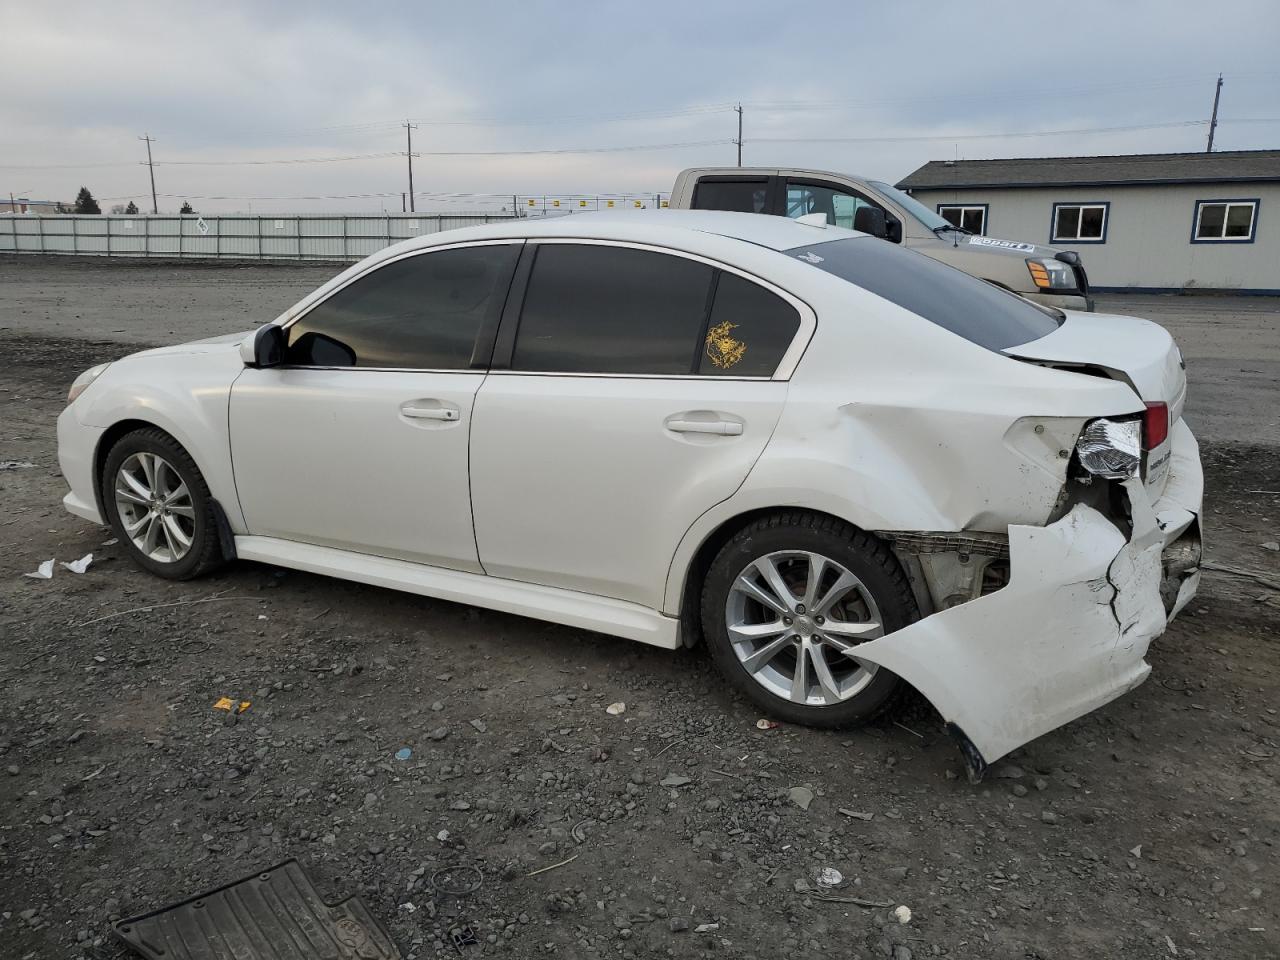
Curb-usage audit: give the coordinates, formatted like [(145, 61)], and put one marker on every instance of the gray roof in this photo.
[(1140, 168)]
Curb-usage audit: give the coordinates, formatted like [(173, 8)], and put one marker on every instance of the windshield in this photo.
[(913, 206), (968, 307)]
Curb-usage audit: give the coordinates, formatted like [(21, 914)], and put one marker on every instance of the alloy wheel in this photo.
[(155, 507), (795, 619)]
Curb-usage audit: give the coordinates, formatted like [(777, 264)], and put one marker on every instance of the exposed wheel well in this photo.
[(690, 599), (111, 436), (105, 443)]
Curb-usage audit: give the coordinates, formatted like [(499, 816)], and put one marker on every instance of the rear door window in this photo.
[(968, 307), (749, 330), (591, 308), (422, 312), (741, 196), (617, 310)]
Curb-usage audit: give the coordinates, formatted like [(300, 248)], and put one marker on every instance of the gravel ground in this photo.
[(1146, 829)]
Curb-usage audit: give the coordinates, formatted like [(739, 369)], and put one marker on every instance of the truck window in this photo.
[(841, 207), (740, 196)]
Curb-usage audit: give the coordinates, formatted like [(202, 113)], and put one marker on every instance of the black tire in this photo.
[(205, 553), (863, 555)]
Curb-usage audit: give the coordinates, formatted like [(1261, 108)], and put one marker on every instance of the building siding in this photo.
[(1148, 235)]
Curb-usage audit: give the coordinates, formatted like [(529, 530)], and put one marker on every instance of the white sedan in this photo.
[(840, 464)]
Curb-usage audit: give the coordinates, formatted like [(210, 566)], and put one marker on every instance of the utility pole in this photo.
[(1213, 121), (738, 110), (155, 207), (408, 133)]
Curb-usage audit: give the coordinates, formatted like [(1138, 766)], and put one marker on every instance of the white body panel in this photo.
[(590, 509), (605, 488), (614, 617), (339, 458)]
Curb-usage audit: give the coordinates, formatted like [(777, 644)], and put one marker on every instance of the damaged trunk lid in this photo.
[(1131, 350), (1136, 351)]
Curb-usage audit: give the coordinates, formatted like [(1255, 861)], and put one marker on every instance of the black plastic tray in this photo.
[(273, 915)]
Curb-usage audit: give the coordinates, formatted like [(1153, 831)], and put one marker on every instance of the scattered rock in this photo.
[(674, 780), (801, 797), (678, 924)]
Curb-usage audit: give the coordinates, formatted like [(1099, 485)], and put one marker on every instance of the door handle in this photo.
[(429, 410), (720, 428)]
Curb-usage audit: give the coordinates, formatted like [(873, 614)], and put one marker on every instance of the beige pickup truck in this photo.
[(1055, 278)]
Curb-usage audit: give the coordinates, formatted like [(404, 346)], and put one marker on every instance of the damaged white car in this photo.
[(841, 464)]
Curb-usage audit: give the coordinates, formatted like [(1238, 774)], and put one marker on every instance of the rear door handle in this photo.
[(720, 428), (429, 410)]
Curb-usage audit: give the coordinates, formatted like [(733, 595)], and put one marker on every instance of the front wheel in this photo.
[(784, 607), (159, 505)]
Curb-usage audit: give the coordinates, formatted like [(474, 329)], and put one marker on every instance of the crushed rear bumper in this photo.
[(1070, 631)]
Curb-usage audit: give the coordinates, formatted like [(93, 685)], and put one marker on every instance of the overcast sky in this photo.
[(239, 81)]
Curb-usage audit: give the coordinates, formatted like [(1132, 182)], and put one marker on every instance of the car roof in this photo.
[(660, 227)]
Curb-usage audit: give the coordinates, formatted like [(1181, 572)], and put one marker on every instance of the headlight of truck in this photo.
[(1111, 449), (1052, 274), (81, 383)]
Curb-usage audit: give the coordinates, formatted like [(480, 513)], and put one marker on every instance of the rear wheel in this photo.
[(784, 607), (159, 505)]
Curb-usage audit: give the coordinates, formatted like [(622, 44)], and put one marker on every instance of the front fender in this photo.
[(185, 395)]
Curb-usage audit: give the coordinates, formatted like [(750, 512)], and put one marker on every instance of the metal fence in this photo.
[(304, 237)]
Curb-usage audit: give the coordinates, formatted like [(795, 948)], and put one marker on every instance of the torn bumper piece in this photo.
[(1068, 633)]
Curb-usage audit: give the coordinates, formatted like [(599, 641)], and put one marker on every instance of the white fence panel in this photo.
[(297, 237)]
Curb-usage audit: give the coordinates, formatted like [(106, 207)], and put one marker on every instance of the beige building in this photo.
[(1163, 222)]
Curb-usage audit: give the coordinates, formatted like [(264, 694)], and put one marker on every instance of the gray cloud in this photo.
[(236, 81)]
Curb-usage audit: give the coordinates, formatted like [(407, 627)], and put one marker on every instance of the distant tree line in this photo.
[(85, 203)]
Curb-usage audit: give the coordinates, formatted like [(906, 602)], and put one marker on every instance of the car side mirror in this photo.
[(264, 347), (893, 229), (871, 220)]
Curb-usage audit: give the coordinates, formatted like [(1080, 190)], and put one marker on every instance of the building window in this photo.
[(1225, 221), (971, 217), (1080, 222)]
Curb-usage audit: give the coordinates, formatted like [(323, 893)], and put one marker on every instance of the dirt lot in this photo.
[(1147, 829)]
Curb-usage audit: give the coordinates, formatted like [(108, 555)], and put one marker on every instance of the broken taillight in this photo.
[(1155, 425)]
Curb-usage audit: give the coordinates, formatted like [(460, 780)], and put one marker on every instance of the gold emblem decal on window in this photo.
[(722, 348)]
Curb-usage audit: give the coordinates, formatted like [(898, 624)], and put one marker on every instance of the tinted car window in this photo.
[(422, 312), (741, 196), (972, 308), (749, 332), (599, 309)]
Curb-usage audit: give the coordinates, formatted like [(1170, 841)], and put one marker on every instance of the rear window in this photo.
[(971, 308), (741, 196)]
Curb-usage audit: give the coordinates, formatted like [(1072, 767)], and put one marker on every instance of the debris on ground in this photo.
[(674, 780), (903, 914), (801, 797), (226, 703), (855, 814), (828, 877), (404, 753), (42, 572), (256, 919), (616, 709), (764, 723), (79, 566)]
